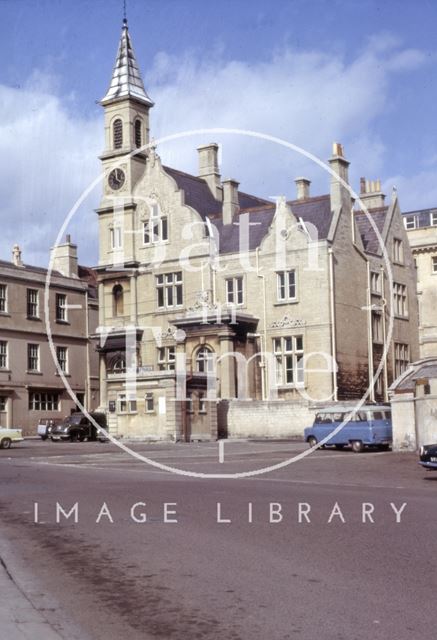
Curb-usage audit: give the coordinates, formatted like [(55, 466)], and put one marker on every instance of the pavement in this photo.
[(20, 620)]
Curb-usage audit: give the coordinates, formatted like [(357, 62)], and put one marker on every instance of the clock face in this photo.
[(116, 179)]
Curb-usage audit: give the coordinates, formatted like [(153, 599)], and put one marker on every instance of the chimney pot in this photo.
[(209, 169), (302, 188)]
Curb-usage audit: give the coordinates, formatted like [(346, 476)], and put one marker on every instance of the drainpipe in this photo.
[(384, 335), (264, 339), (369, 337), (333, 327), (88, 370)]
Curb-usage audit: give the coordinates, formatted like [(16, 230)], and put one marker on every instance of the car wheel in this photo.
[(44, 437), (312, 441), (357, 446), (5, 443), (76, 437)]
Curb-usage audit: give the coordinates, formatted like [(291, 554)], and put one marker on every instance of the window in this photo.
[(61, 307), (189, 403), (379, 389), (32, 303), (3, 401), (169, 290), (410, 222), (202, 402), (234, 291), (117, 365), (398, 251), (433, 218), (286, 282), (402, 358), (434, 264), (116, 237), (149, 402), (288, 352), (377, 327), (138, 134), (205, 360), (375, 282), (117, 300), (3, 298), (166, 358), (117, 131), (44, 401), (155, 229), (126, 405), (400, 300), (3, 354), (62, 357), (33, 357)]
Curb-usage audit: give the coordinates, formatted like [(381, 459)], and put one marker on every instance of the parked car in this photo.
[(45, 426), (428, 456), (371, 426), (8, 436), (77, 428)]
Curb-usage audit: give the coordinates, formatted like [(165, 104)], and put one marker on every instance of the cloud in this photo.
[(48, 156), (49, 151)]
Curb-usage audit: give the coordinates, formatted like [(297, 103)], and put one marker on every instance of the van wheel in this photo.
[(312, 441), (357, 446), (5, 443)]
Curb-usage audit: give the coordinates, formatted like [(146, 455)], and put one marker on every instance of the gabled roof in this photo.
[(126, 81), (371, 242)]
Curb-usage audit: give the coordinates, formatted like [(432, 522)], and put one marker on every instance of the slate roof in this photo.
[(427, 370), (422, 216), (370, 239), (126, 78)]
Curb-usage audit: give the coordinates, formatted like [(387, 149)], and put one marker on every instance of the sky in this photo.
[(311, 72)]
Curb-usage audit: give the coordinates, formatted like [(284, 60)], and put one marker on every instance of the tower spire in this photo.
[(126, 78)]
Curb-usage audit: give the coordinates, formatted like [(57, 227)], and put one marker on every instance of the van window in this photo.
[(359, 416), (337, 417), (376, 415), (387, 415)]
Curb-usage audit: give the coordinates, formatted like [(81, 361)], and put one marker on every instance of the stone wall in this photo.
[(258, 419)]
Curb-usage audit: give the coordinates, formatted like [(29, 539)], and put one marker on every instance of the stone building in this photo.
[(223, 312), (30, 385), (421, 228)]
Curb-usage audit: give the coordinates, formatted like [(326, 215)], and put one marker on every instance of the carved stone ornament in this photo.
[(288, 323)]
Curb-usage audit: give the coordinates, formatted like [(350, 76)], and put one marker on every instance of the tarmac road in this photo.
[(247, 579)]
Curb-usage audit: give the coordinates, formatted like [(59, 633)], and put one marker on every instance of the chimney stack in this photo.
[(16, 256), (231, 205), (303, 188), (64, 258), (209, 169), (339, 194), (371, 194)]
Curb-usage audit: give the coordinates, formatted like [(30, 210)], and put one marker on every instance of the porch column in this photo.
[(227, 364), (103, 384)]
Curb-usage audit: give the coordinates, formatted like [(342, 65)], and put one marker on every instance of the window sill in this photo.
[(281, 303), (62, 321), (5, 314), (66, 375), (34, 373), (5, 370), (397, 317), (33, 318)]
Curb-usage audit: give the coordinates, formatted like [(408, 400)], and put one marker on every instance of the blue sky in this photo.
[(359, 72)]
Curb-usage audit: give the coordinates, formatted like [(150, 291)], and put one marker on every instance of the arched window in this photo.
[(205, 360), (138, 134), (117, 132), (118, 364), (117, 300)]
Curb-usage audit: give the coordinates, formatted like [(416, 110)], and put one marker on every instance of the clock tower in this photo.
[(126, 106)]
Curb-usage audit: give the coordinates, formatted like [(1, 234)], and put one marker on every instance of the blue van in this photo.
[(370, 426)]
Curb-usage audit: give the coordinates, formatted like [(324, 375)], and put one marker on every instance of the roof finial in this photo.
[(124, 14)]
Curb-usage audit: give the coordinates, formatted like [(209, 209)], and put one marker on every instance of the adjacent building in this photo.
[(224, 313), (30, 384), (421, 228)]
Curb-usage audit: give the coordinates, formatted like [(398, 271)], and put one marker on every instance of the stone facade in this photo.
[(242, 297), (421, 227), (30, 385)]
